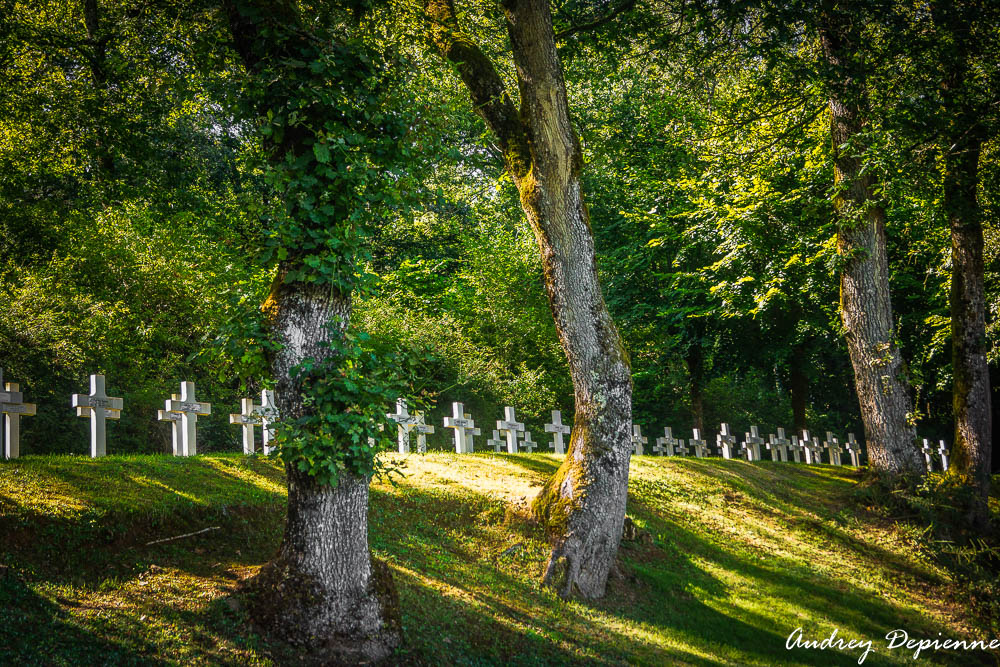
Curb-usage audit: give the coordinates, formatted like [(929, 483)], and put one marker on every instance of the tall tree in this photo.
[(964, 28), (866, 309), (583, 504), (314, 91)]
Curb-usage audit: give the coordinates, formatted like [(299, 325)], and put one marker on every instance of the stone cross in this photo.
[(638, 440), (190, 408), (495, 442), (471, 432), (796, 449), (943, 452), (752, 443), (726, 441), (527, 443), (558, 430), (421, 430), (511, 427), (666, 446), (247, 418), (816, 450), (99, 407), (681, 448), (269, 415), (461, 425), (175, 425), (854, 449), (833, 449), (405, 422), (928, 455), (807, 448), (12, 408), (697, 444), (778, 446)]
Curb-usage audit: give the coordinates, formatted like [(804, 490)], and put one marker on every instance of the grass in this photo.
[(739, 555)]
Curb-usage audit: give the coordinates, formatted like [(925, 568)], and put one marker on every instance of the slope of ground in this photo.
[(737, 557)]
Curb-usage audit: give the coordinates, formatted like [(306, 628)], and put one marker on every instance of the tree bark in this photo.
[(963, 140), (798, 384), (865, 309), (323, 591), (583, 504), (696, 383)]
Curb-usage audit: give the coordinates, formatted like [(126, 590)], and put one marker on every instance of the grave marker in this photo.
[(726, 442), (12, 408), (752, 443), (189, 408), (268, 415), (462, 425), (527, 443), (778, 446), (175, 426), (681, 449), (854, 449), (558, 430), (405, 422), (638, 440), (421, 430), (796, 449), (511, 427), (247, 418), (698, 444), (99, 407), (495, 442), (833, 449), (666, 446), (807, 448), (943, 452), (928, 455), (471, 432)]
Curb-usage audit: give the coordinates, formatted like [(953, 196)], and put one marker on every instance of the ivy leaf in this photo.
[(322, 153)]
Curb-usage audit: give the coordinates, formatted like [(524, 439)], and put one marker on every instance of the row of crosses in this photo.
[(182, 411)]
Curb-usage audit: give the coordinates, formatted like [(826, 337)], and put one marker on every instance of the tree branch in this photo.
[(626, 6), (489, 95)]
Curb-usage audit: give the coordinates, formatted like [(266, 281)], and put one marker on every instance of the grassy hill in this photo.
[(740, 555)]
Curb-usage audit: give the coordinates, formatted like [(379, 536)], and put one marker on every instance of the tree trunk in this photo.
[(583, 504), (323, 591), (964, 137), (696, 383), (798, 385), (865, 308)]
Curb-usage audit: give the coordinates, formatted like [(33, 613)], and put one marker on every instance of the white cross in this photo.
[(752, 443), (511, 427), (471, 432), (814, 453), (248, 417), (698, 444), (726, 442), (558, 430), (681, 449), (12, 409), (99, 407), (807, 448), (796, 449), (175, 425), (495, 442), (778, 446), (422, 430), (928, 455), (854, 449), (527, 443), (665, 446), (833, 449), (189, 408), (405, 422), (268, 415), (638, 440), (462, 425), (943, 451)]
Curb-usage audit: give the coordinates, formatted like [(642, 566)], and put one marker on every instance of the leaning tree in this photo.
[(583, 504)]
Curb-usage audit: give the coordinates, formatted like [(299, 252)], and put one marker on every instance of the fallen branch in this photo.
[(170, 539)]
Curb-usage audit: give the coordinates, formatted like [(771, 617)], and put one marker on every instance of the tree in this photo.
[(315, 93), (866, 310), (583, 504)]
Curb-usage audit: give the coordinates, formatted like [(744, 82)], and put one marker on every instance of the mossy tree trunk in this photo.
[(883, 389), (963, 137), (323, 591), (583, 504)]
